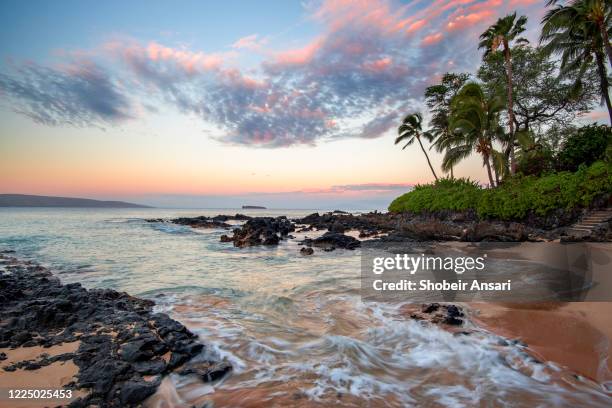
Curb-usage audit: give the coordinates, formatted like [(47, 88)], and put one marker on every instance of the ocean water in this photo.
[(294, 328)]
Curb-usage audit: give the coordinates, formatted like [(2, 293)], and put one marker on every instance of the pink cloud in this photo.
[(189, 61), (416, 26), (432, 39), (250, 42), (467, 20), (301, 55), (514, 3), (378, 65), (596, 115)]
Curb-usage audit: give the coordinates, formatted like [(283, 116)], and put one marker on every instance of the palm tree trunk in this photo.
[(606, 40), (496, 172), (452, 174), (427, 157), (488, 166), (510, 105), (603, 81), (495, 169)]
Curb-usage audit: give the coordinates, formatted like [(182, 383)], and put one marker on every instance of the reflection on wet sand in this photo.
[(575, 335)]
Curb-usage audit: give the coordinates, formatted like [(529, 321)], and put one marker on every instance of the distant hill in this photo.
[(24, 200), (253, 207)]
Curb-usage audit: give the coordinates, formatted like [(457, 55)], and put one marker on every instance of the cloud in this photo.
[(432, 39), (250, 42), (368, 64), (364, 188), (78, 94)]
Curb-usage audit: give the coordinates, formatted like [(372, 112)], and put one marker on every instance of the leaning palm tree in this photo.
[(474, 124), (572, 32), (506, 30), (410, 130)]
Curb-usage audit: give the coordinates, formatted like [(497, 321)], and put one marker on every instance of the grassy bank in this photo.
[(515, 198)]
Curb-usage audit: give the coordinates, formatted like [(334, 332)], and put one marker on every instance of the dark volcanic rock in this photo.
[(218, 221), (306, 251), (201, 222), (237, 217), (332, 240), (208, 372), (133, 392), (440, 313), (340, 222), (121, 339), (495, 231), (261, 231)]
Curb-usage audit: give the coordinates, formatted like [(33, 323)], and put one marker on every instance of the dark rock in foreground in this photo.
[(124, 350), (261, 231), (440, 313), (332, 240)]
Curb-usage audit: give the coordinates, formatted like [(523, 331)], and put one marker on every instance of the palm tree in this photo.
[(474, 125), (438, 99), (506, 30), (596, 12), (575, 32), (442, 142), (411, 129)]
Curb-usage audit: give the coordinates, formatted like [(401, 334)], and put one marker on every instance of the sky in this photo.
[(287, 104)]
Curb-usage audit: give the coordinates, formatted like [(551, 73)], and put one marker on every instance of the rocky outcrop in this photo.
[(218, 221), (236, 217), (124, 349), (260, 231), (368, 224), (201, 222), (496, 231), (332, 240)]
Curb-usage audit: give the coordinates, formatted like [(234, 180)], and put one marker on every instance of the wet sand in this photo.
[(52, 377), (575, 335)]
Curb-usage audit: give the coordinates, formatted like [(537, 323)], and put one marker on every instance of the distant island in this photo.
[(253, 207), (24, 200)]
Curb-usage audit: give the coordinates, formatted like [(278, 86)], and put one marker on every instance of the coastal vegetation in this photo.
[(515, 198), (518, 113)]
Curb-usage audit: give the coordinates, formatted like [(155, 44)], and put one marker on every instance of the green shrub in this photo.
[(536, 162), (444, 194), (515, 198), (587, 145)]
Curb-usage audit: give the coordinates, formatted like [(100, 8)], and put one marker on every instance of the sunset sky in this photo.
[(217, 103)]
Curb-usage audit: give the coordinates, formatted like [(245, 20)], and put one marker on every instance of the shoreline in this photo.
[(104, 347), (349, 231), (122, 319)]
